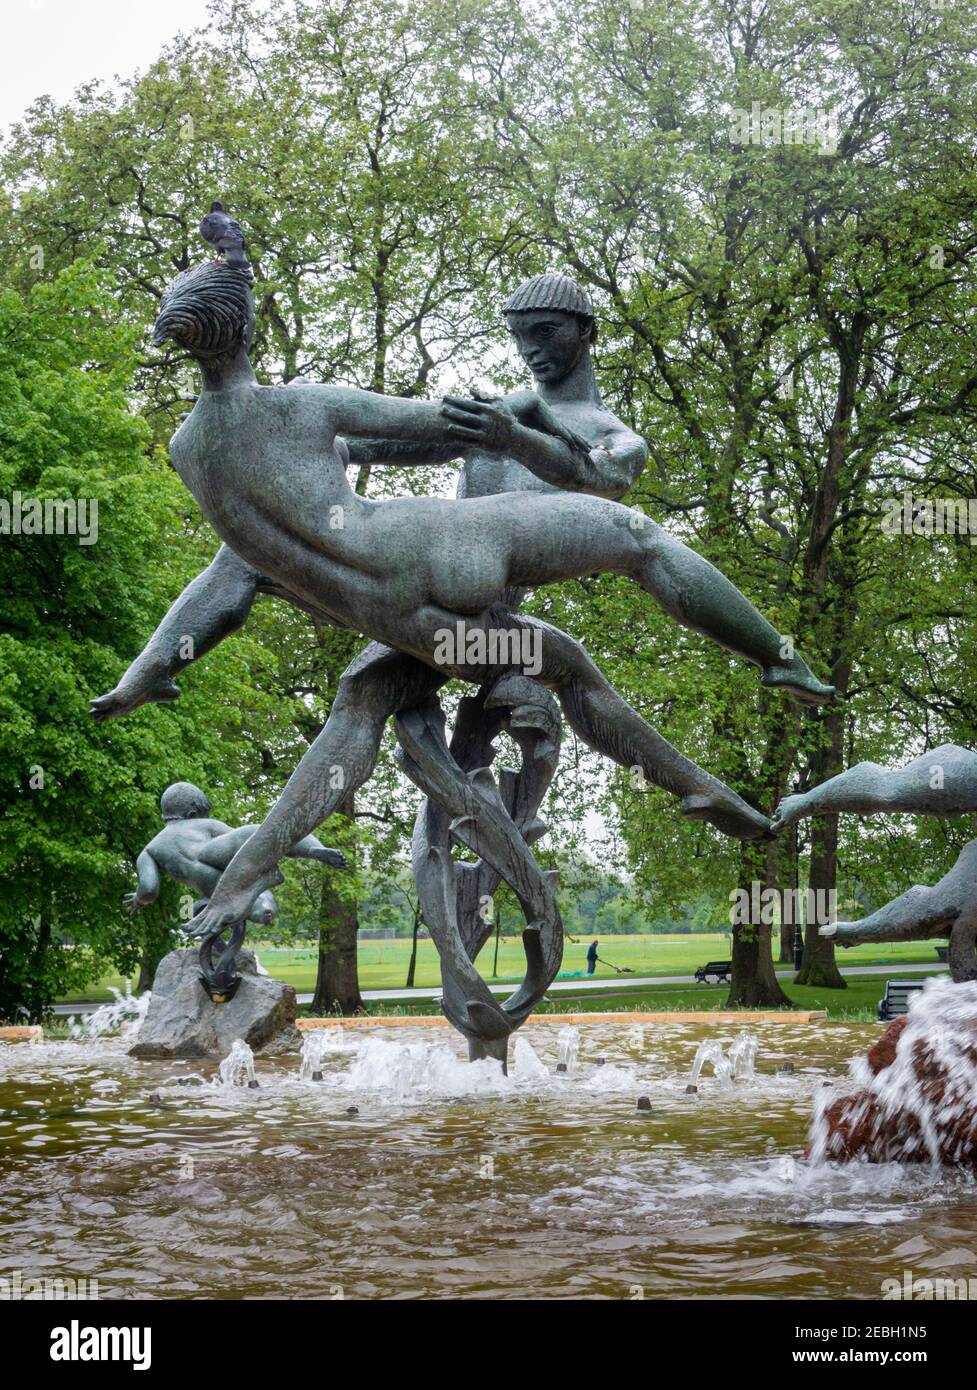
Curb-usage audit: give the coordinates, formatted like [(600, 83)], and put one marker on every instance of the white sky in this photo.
[(51, 46)]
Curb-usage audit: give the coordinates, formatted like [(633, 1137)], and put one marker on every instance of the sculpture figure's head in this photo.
[(209, 311), (184, 801), (551, 320)]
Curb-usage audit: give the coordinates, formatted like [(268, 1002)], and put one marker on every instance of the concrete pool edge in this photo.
[(691, 1016)]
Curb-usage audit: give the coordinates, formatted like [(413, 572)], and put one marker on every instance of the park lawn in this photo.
[(383, 964), (857, 1003)]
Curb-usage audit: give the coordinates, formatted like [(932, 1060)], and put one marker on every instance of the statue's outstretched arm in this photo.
[(147, 887), (400, 453), (552, 451), (524, 427), (214, 605)]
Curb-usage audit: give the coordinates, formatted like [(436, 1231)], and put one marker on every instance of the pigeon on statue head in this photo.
[(221, 231)]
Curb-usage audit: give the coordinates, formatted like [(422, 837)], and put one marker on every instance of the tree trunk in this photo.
[(754, 984), (820, 967), (337, 986), (787, 933), (413, 951)]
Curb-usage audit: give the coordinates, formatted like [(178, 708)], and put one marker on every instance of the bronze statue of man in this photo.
[(267, 467)]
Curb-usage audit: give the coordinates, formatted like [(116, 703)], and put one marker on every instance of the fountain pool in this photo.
[(408, 1172)]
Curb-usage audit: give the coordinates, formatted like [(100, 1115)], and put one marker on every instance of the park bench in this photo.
[(895, 1002), (720, 968), (943, 952)]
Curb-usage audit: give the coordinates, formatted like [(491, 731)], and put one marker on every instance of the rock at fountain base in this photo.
[(876, 1124), (182, 1021)]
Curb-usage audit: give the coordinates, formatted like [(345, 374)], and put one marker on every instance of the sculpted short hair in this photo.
[(556, 292), (208, 310), (183, 801)]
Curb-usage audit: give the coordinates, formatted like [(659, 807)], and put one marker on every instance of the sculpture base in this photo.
[(183, 1020)]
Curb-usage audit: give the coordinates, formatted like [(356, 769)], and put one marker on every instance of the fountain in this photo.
[(738, 1065), (237, 1068), (916, 1100), (567, 1047), (426, 1173), (313, 1048), (125, 1015), (742, 1056)]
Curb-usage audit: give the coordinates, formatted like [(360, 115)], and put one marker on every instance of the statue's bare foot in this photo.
[(727, 812), (800, 681), (332, 857), (124, 699), (222, 910), (790, 809)]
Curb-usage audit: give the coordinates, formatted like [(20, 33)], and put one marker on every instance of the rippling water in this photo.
[(452, 1180)]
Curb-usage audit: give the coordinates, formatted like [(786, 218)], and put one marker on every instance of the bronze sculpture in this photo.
[(267, 466), (194, 849), (942, 782)]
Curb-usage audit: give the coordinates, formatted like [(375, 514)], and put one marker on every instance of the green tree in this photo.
[(81, 799)]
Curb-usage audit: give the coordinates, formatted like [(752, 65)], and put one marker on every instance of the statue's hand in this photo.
[(132, 903), (536, 414), (488, 425), (128, 697)]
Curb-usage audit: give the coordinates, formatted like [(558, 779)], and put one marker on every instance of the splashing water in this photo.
[(410, 1072), (528, 1065), (920, 1107), (314, 1047), (710, 1053), (742, 1056), (237, 1068), (124, 1015), (738, 1065), (567, 1047)]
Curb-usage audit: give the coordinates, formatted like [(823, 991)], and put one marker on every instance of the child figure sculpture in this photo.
[(195, 849)]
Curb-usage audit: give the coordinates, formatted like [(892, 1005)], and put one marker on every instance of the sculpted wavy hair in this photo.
[(208, 310)]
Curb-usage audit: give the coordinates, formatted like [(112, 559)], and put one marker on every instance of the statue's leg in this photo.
[(214, 605), (942, 782), (377, 684), (608, 724), (222, 848), (700, 597)]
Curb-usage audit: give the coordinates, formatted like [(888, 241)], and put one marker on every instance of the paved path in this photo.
[(616, 982)]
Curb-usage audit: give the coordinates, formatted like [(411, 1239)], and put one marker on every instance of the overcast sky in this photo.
[(51, 46)]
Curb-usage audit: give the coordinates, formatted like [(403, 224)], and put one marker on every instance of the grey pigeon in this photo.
[(221, 231)]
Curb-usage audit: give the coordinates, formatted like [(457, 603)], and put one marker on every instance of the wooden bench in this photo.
[(895, 1002), (720, 968), (943, 952)]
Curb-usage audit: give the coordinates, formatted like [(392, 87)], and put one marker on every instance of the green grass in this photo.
[(383, 964), (857, 1003)]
